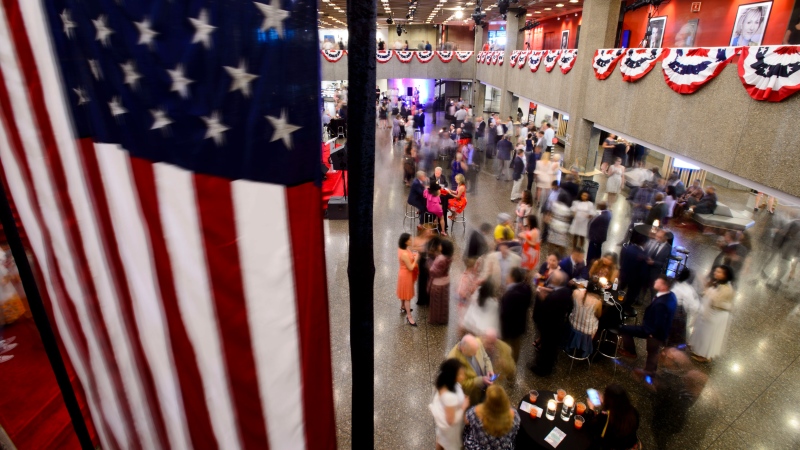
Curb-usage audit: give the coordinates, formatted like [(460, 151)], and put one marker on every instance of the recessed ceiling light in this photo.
[(548, 9), (573, 1), (529, 14), (559, 5)]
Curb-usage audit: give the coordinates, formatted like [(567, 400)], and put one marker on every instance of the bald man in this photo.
[(477, 365), (500, 354)]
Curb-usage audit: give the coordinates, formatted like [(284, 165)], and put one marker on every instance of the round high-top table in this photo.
[(533, 431)]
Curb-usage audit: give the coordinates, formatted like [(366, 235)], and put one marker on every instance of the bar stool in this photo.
[(574, 356), (410, 213), (632, 314), (685, 253), (680, 263), (430, 221), (460, 218), (604, 338)]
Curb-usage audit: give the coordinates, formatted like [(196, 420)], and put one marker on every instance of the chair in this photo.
[(460, 218), (340, 133), (604, 338), (410, 213)]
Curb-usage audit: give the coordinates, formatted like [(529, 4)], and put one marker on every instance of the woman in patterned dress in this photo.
[(492, 425), (531, 245), (439, 285)]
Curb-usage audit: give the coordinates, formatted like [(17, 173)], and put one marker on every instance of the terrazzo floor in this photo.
[(752, 399)]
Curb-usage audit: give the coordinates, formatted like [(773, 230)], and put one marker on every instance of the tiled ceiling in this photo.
[(333, 13)]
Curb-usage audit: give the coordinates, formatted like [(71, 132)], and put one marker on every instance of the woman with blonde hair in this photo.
[(748, 29), (492, 425), (605, 267)]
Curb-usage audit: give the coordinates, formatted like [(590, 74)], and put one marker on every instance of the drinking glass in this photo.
[(580, 408), (579, 422), (551, 410), (621, 295), (533, 395), (566, 408), (560, 395)]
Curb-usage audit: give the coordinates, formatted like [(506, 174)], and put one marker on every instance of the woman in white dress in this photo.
[(711, 325), (483, 312), (545, 172), (616, 178), (688, 306), (448, 405), (583, 210)]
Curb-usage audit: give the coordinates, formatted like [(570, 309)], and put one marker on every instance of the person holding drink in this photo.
[(405, 276)]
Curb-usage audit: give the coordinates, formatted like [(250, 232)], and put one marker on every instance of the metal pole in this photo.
[(361, 26), (42, 322)]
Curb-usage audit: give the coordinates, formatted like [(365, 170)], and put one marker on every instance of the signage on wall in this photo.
[(695, 6)]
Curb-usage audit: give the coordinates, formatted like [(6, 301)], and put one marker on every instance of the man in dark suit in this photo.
[(550, 314), (514, 310), (504, 151), (708, 203), (574, 265), (480, 131), (655, 327), (598, 233), (658, 211), (571, 186), (530, 166), (416, 197), (419, 121), (633, 270), (658, 253)]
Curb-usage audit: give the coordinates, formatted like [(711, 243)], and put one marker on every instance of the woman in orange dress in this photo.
[(531, 244), (457, 204), (405, 276)]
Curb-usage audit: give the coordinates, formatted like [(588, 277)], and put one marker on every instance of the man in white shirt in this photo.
[(460, 115), (549, 134)]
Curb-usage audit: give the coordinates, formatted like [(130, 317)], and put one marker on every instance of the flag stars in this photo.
[(160, 119), (103, 31), (146, 34), (215, 128), (83, 97), (241, 79), (116, 107), (283, 129), (202, 28), (68, 24), (131, 75), (94, 66), (180, 83), (273, 16)]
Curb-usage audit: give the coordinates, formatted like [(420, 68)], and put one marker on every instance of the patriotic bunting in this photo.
[(637, 62), (481, 57), (605, 60), (404, 56), (333, 55), (551, 59), (446, 56), (494, 57), (567, 60), (513, 60), (425, 56), (535, 58), (500, 56), (522, 58), (687, 69), (383, 56), (770, 73), (461, 56)]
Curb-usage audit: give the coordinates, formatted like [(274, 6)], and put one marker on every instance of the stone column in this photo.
[(507, 100), (478, 89), (598, 30)]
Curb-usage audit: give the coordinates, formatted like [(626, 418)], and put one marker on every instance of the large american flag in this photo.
[(163, 156)]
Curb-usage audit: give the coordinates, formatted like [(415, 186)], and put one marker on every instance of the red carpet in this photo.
[(333, 185), (32, 410)]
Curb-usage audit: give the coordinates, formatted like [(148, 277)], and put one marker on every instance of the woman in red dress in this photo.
[(457, 204), (405, 276), (531, 244)]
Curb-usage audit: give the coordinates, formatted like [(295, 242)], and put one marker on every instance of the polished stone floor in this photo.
[(752, 399)]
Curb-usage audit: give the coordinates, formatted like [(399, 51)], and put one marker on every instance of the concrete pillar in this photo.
[(507, 99), (598, 30), (478, 98)]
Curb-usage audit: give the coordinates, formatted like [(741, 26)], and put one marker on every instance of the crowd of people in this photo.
[(547, 256)]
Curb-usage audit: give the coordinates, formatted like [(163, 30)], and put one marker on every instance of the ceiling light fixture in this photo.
[(559, 5)]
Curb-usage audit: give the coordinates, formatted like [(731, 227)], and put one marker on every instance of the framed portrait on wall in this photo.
[(685, 37), (750, 23), (655, 28), (564, 39)]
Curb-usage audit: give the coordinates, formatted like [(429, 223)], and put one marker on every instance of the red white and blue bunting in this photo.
[(445, 56), (605, 60), (551, 59), (333, 55), (404, 56), (383, 56), (500, 56), (522, 59), (462, 57), (512, 61), (637, 62), (425, 56), (770, 73), (687, 69), (567, 60), (494, 57), (535, 59)]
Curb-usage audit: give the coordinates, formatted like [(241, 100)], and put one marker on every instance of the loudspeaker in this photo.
[(339, 159), (337, 208), (410, 91)]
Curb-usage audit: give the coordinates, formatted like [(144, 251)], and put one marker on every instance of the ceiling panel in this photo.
[(333, 13)]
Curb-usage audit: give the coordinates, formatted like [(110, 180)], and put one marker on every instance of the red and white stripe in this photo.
[(165, 285)]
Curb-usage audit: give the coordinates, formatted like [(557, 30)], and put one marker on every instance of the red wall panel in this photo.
[(716, 21)]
